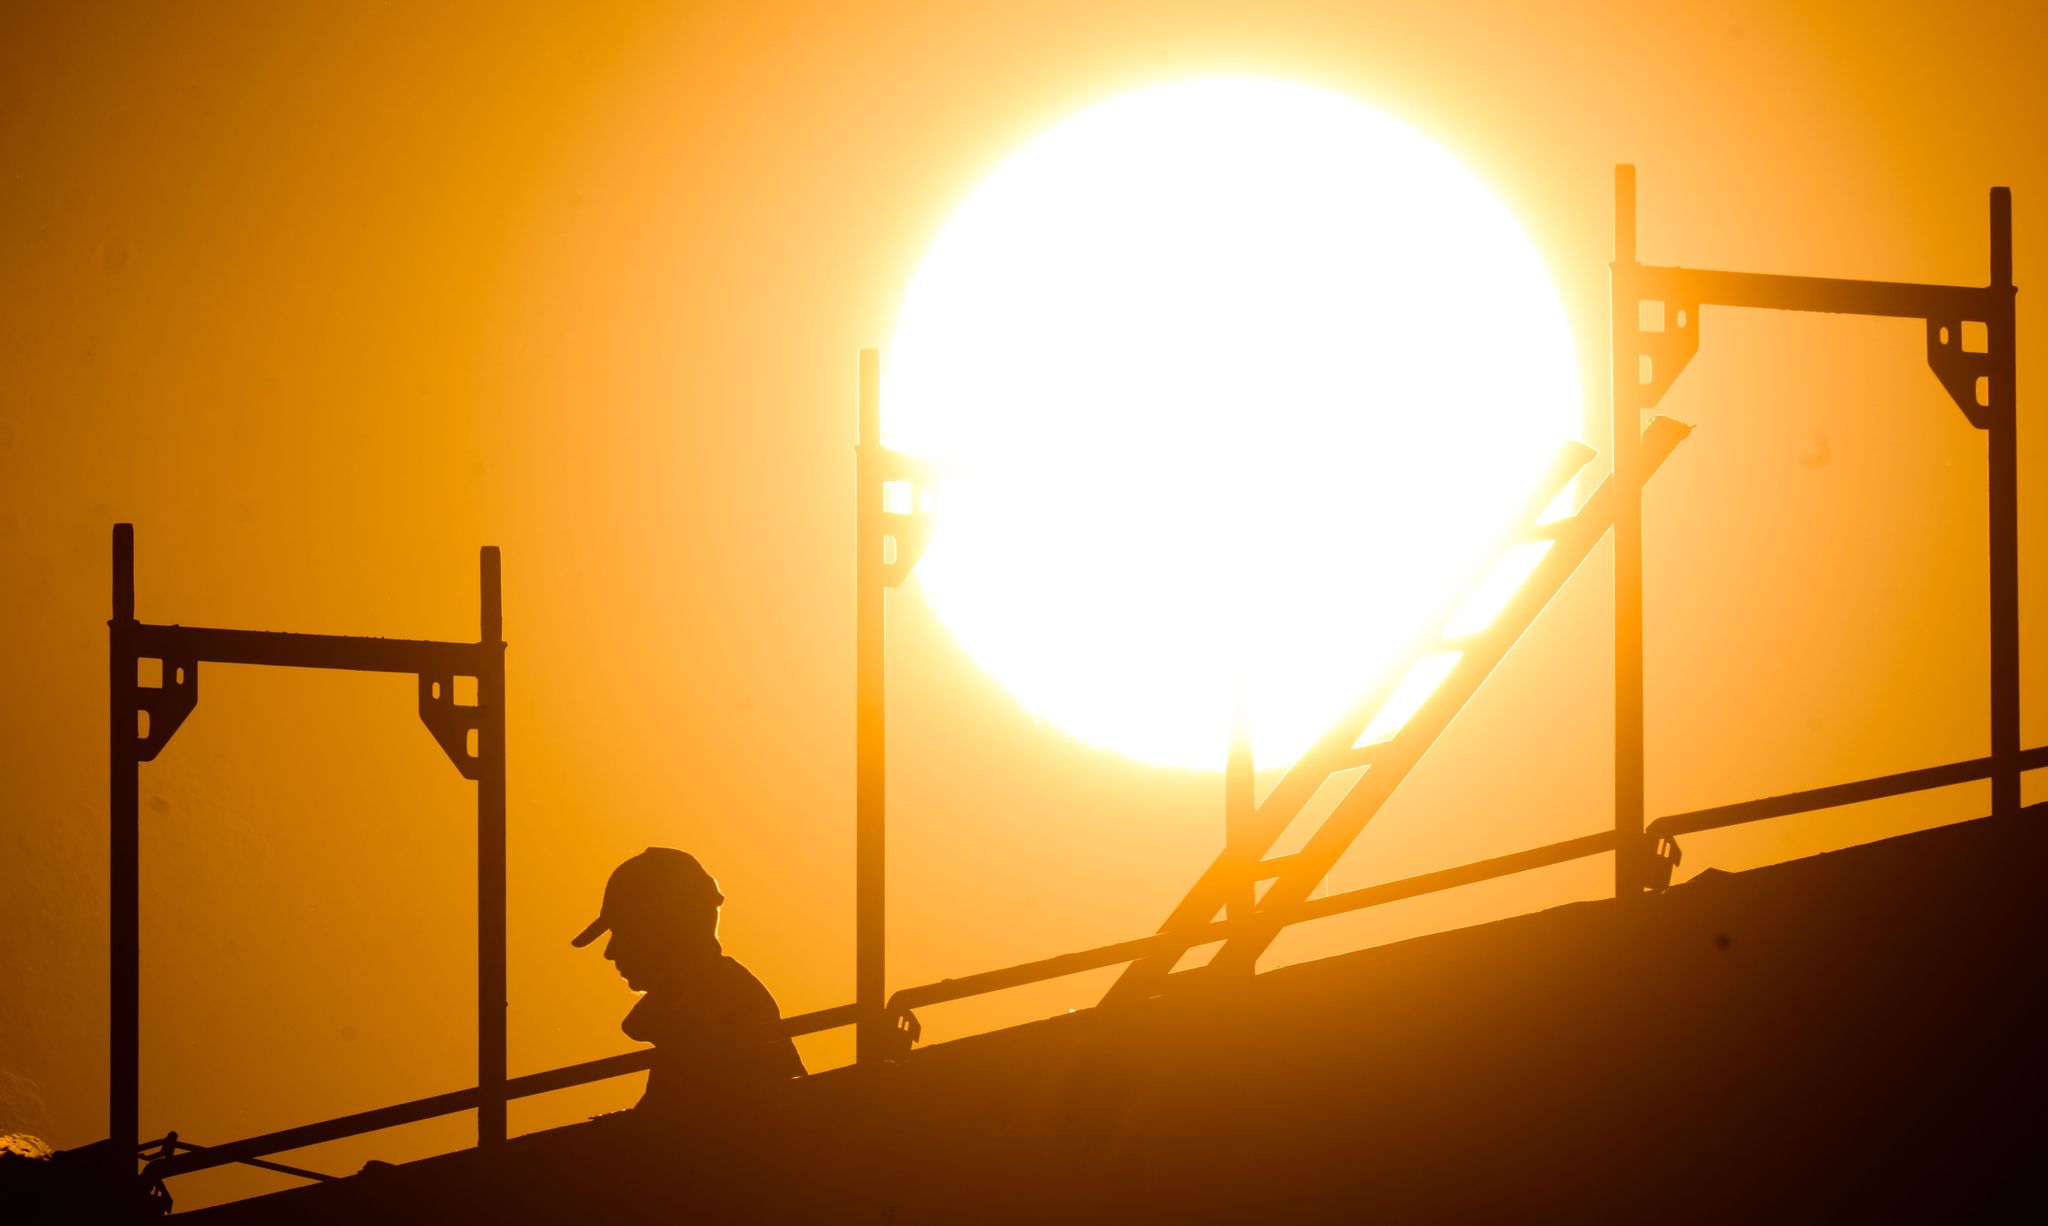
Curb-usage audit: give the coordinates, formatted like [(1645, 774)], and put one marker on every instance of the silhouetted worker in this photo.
[(711, 1022)]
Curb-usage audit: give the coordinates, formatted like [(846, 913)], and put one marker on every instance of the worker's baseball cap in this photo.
[(656, 878)]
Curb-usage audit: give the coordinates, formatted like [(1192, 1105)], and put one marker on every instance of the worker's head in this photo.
[(661, 908)]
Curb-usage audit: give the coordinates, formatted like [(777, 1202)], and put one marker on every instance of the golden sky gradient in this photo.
[(322, 300)]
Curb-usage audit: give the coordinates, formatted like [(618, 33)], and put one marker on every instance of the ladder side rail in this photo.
[(1332, 751), (1336, 752), (1480, 654), (1233, 868)]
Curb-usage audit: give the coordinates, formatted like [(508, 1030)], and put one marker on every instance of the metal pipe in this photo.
[(124, 866), (871, 1038), (1623, 446), (290, 650), (287, 1139), (176, 1146), (1320, 908), (1835, 795), (491, 1125), (1823, 295), (2003, 485), (412, 1112)]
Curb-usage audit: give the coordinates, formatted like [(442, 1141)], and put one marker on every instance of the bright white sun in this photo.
[(1228, 382)]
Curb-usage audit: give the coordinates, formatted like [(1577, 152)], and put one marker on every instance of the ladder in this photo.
[(1395, 721)]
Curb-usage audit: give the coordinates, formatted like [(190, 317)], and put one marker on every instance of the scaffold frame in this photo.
[(1647, 361), (142, 718)]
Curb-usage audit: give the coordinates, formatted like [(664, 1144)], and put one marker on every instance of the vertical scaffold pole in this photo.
[(870, 911), (490, 858), (2002, 444), (1625, 323), (124, 937)]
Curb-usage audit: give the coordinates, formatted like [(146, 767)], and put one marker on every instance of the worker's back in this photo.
[(712, 1024)]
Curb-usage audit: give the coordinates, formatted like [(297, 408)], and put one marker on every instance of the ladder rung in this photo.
[(1273, 866), (1335, 761), (1358, 755)]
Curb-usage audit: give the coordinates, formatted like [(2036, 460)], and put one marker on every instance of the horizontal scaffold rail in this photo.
[(1835, 796), (1822, 295), (304, 1135), (207, 645)]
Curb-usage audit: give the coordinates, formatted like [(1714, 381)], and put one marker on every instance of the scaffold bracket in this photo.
[(165, 706), (454, 725), (905, 491), (1964, 373), (1665, 857), (1663, 351)]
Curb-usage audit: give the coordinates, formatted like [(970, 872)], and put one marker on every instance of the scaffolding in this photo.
[(891, 527), (1648, 359), (142, 718)]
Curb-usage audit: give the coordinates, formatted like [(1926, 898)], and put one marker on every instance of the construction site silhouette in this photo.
[(1844, 1035)]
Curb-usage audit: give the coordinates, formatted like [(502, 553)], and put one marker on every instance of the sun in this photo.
[(1226, 381)]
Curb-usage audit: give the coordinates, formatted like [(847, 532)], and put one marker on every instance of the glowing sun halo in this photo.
[(1228, 381)]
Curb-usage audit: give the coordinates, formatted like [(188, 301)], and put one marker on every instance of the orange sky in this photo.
[(324, 302)]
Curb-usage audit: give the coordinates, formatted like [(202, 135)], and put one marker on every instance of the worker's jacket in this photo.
[(715, 1039)]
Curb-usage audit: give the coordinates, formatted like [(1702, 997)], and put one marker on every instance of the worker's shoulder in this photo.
[(733, 977)]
